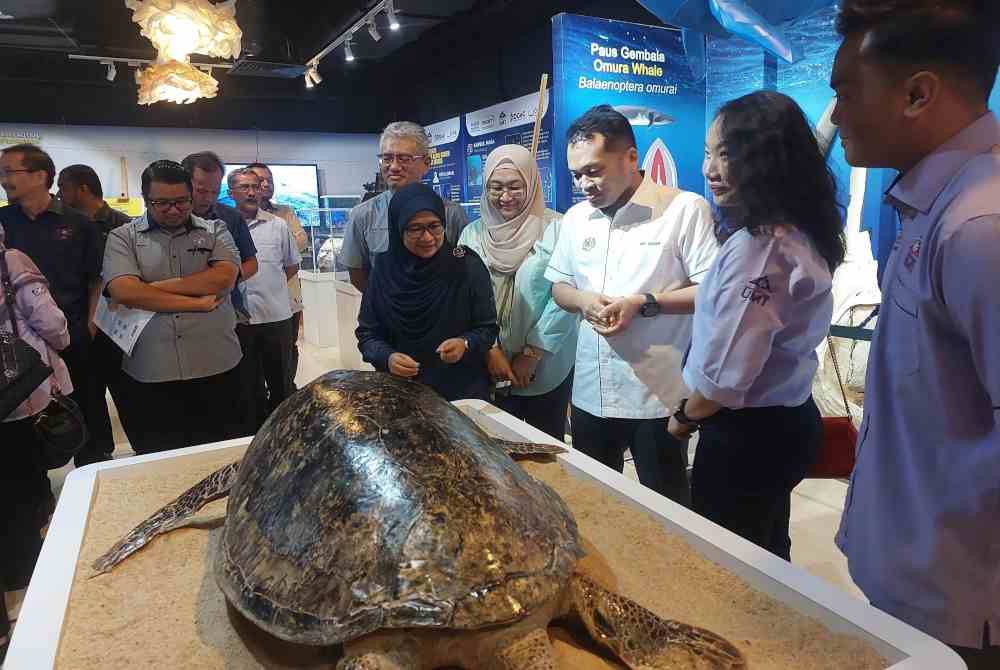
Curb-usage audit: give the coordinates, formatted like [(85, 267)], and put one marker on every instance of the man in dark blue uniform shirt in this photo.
[(66, 247)]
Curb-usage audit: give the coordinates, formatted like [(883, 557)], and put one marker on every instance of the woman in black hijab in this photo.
[(428, 312)]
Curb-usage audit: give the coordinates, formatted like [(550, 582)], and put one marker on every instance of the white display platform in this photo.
[(36, 635), (348, 306), (319, 308)]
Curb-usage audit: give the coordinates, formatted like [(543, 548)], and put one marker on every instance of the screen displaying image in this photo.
[(294, 185)]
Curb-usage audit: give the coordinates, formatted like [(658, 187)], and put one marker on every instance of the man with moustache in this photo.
[(404, 159), (267, 337), (624, 258)]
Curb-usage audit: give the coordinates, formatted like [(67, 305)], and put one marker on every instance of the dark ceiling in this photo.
[(450, 56)]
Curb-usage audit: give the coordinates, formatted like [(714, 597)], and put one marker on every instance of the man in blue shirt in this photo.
[(206, 170), (920, 525)]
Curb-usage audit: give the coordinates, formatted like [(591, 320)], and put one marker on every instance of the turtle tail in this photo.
[(213, 487), (643, 640)]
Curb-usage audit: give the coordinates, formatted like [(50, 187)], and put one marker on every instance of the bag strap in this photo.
[(840, 380), (9, 294)]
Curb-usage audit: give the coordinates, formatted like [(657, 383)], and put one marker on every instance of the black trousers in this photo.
[(746, 465), (78, 358), (264, 370), (161, 416), (24, 489), (546, 412), (660, 458), (293, 366), (105, 375)]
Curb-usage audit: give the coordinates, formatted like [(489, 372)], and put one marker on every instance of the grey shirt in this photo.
[(367, 231), (176, 345)]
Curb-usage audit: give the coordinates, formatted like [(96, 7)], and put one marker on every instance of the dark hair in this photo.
[(204, 160), (778, 172), (165, 172), (258, 165), (34, 159), (960, 35), (83, 175), (604, 120)]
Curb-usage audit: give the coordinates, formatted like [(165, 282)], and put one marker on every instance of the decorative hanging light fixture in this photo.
[(178, 28)]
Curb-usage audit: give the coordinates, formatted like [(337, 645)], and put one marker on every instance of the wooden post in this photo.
[(542, 92), (124, 179)]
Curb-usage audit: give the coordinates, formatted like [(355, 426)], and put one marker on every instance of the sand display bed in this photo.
[(162, 609)]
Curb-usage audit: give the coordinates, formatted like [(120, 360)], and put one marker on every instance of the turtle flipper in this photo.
[(532, 651), (643, 640), (213, 487), (515, 449)]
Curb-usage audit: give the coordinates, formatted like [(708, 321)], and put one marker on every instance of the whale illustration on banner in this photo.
[(644, 116)]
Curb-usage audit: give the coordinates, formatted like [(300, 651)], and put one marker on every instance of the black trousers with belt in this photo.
[(79, 359), (160, 416), (660, 458), (546, 412), (746, 465), (264, 370)]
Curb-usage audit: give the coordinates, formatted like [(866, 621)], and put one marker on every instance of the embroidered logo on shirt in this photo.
[(758, 291), (459, 252), (589, 243), (64, 233), (913, 255)]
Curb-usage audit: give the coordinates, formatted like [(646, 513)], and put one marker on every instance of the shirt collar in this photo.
[(103, 213), (640, 207), (920, 187), (263, 216), (145, 224)]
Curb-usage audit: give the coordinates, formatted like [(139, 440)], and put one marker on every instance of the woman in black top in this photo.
[(428, 312)]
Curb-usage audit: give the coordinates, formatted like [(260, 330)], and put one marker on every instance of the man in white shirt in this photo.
[(268, 339), (622, 251)]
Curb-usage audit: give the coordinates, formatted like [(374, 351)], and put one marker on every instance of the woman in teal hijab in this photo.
[(515, 238)]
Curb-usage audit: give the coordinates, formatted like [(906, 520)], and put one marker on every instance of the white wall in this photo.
[(345, 161)]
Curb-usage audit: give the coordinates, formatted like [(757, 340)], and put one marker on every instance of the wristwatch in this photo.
[(684, 419), (530, 352), (650, 308)]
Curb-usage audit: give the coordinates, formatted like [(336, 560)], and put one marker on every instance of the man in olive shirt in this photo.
[(80, 189), (66, 247), (182, 373)]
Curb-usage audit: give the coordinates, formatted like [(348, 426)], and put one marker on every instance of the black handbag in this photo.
[(21, 367), (61, 431)]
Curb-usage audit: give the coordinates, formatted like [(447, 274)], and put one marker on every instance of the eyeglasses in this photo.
[(246, 188), (416, 232), (179, 203), (496, 190), (402, 159)]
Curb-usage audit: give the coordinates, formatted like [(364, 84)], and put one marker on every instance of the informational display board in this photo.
[(510, 122), (447, 172), (642, 72)]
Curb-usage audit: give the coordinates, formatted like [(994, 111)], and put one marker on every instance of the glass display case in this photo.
[(325, 226)]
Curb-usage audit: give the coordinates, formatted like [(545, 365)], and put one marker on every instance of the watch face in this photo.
[(650, 309)]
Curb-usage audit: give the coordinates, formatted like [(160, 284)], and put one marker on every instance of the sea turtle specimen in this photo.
[(369, 511)]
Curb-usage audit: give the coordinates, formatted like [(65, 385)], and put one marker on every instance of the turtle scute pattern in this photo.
[(368, 502), (532, 652)]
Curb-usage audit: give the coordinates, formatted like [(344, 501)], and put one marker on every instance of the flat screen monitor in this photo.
[(294, 185)]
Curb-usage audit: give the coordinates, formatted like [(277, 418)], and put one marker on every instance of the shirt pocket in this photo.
[(905, 340), (269, 251)]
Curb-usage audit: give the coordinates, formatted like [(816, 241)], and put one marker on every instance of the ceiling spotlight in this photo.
[(373, 30), (348, 52), (112, 70), (308, 77), (312, 76), (315, 74), (390, 13)]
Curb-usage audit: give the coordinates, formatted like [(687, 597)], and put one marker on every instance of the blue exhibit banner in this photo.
[(447, 173), (641, 71), (511, 122)]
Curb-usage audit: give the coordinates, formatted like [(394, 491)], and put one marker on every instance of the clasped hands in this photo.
[(520, 372), (610, 316)]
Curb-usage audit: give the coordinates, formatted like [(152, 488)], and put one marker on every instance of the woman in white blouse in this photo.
[(761, 311)]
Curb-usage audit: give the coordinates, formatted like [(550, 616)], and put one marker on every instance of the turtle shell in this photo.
[(368, 502)]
